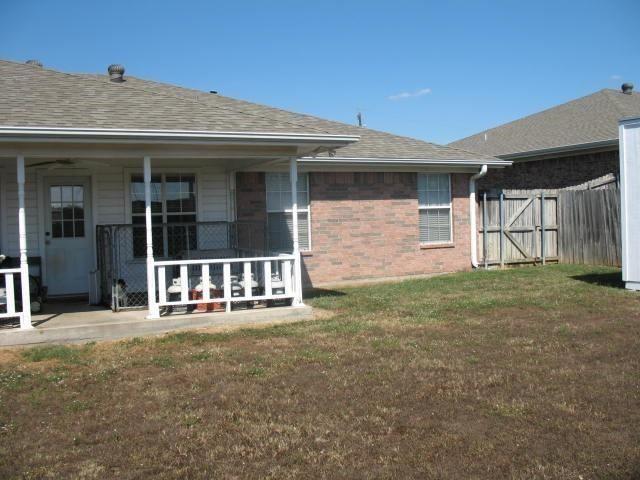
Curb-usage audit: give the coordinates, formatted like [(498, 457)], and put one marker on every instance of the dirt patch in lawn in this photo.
[(479, 375)]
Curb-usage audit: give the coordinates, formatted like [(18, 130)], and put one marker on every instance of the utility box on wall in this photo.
[(630, 201)]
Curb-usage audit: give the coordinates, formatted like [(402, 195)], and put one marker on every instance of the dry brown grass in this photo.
[(532, 373)]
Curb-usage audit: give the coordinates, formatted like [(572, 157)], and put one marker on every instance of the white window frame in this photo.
[(306, 210), (163, 176), (436, 207)]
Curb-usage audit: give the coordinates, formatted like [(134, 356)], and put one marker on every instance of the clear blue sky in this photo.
[(435, 70)]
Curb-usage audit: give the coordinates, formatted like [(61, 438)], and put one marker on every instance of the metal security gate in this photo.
[(519, 228)]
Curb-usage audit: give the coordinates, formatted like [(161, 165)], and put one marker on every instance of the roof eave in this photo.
[(564, 149), (105, 135), (381, 161)]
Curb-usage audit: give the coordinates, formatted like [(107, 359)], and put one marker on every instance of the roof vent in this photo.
[(627, 88), (116, 73), (35, 63)]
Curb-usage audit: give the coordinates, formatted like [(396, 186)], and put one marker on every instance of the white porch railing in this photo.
[(9, 298), (258, 279)]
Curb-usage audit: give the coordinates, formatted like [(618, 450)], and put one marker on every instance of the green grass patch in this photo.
[(315, 355), (256, 371), (386, 343), (77, 406), (12, 380), (163, 361), (61, 353)]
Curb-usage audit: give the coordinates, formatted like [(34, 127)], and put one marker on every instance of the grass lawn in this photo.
[(526, 373)]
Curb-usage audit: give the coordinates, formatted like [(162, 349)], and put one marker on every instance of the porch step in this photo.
[(134, 327)]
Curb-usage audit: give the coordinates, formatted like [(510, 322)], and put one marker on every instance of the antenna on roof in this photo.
[(359, 116)]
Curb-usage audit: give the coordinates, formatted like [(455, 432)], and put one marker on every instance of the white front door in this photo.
[(67, 235)]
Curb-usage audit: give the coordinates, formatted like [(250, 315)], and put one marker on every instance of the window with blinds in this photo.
[(279, 212), (434, 208)]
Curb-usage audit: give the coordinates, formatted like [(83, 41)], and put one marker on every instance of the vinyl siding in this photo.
[(111, 184), (10, 244)]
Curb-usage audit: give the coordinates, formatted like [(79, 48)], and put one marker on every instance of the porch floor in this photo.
[(74, 322)]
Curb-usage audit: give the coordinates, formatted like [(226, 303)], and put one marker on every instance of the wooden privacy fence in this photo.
[(590, 231), (569, 226)]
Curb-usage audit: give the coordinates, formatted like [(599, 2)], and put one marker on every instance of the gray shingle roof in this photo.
[(34, 96), (589, 119)]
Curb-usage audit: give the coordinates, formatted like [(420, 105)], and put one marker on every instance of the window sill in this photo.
[(307, 253), (432, 246)]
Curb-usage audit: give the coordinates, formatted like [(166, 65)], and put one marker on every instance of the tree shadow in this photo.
[(613, 279), (322, 292)]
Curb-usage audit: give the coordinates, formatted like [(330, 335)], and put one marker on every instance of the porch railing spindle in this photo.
[(162, 284), (10, 292), (184, 283), (267, 278)]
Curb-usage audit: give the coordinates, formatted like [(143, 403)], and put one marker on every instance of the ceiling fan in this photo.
[(61, 163)]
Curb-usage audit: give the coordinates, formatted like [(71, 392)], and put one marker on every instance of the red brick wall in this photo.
[(365, 225), (553, 172)]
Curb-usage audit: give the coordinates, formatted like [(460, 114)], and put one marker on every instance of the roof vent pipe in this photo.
[(472, 214), (35, 63), (627, 88), (116, 73)]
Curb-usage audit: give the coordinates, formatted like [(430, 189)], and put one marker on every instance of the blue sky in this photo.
[(435, 70)]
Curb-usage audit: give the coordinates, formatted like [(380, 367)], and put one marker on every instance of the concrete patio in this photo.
[(77, 322)]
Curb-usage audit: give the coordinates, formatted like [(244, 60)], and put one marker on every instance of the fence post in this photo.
[(501, 229), (484, 229), (542, 242)]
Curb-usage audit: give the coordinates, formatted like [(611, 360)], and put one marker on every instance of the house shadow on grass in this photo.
[(321, 292), (613, 279)]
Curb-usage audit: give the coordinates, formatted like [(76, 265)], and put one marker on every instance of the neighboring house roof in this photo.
[(35, 96), (586, 121)]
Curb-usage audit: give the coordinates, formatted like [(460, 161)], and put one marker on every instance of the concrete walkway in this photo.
[(74, 322)]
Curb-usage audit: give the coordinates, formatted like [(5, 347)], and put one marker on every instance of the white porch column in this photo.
[(154, 311), (297, 265), (25, 317)]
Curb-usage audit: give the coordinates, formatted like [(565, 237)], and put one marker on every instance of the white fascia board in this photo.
[(338, 161), (48, 134)]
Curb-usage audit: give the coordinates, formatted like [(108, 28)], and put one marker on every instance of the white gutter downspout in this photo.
[(472, 214)]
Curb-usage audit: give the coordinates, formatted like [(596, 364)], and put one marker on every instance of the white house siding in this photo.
[(213, 196), (110, 187), (110, 196), (10, 212)]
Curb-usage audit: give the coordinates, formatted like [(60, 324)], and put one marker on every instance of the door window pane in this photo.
[(67, 211)]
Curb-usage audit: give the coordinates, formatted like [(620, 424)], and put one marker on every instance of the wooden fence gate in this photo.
[(519, 228), (568, 226)]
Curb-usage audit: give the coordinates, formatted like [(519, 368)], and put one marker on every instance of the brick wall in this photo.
[(365, 226), (553, 173)]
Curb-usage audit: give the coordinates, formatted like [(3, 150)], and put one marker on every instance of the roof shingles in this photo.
[(585, 120), (34, 96)]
